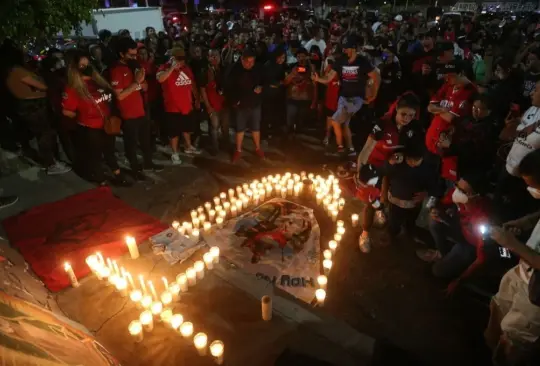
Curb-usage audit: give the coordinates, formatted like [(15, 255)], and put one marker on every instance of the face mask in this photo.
[(534, 192), (133, 64), (87, 71), (459, 196)]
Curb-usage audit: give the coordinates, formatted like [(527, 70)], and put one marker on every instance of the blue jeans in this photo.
[(346, 108), (297, 112), (456, 257)]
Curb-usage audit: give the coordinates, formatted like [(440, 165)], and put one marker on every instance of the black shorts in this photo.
[(177, 123)]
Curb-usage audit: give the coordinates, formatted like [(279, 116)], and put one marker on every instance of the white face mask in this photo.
[(459, 196), (534, 192)]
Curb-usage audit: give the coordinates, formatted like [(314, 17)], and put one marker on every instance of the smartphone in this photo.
[(504, 253), (301, 69)]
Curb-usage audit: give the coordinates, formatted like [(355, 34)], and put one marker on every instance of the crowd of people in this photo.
[(453, 108)]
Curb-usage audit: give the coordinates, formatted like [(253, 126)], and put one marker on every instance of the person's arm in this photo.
[(163, 75), (384, 189), (326, 78), (68, 113), (363, 157), (375, 76), (117, 81), (506, 239), (34, 83)]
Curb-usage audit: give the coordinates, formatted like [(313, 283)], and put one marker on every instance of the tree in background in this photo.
[(21, 20)]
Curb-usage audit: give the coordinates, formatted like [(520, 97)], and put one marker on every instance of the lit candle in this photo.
[(156, 308), (222, 214), (341, 231), (165, 282), (135, 328), (104, 272), (195, 234), (215, 254), (199, 269), (200, 341), (319, 198), (340, 223), (71, 275), (296, 190), (174, 289), (143, 286), (327, 254), (189, 228), (262, 194), (322, 280), (341, 202), (211, 215), (194, 214), (116, 269), (200, 210), (175, 225), (202, 218), (208, 206), (113, 278), (223, 196), (245, 187), (216, 349), (195, 222), (283, 192), (337, 237), (219, 220), (354, 220), (166, 316), (136, 296), (186, 329), (334, 215), (208, 260), (100, 258), (266, 307), (207, 226), (327, 265), (152, 289), (216, 201), (191, 277), (121, 286), (182, 281), (176, 321), (166, 298), (226, 206), (147, 320), (130, 279), (231, 192), (332, 245), (234, 211), (320, 294), (239, 205), (146, 301)]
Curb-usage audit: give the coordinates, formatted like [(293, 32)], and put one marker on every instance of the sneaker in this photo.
[(176, 159), (259, 153), (351, 151), (428, 255), (364, 242), (153, 167), (192, 151), (139, 176), (6, 201), (236, 156), (325, 141), (58, 168)]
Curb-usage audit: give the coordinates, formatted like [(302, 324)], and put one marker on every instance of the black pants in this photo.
[(94, 145), (402, 217), (137, 132), (273, 115)]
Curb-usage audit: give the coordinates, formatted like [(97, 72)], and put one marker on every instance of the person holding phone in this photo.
[(514, 325)]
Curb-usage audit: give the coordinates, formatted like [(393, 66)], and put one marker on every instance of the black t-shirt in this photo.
[(353, 76), (529, 83), (405, 181), (240, 85)]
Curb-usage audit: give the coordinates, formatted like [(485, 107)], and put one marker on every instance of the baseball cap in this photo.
[(352, 42), (178, 52)]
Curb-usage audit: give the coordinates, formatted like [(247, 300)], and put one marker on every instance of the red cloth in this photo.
[(215, 99), (450, 36), (131, 106), (332, 93), (177, 90), (74, 228), (90, 113)]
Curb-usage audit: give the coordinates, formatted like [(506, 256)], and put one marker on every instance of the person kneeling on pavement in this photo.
[(513, 332), (454, 225), (408, 178)]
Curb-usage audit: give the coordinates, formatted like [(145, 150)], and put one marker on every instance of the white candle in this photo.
[(226, 206), (199, 269), (195, 222), (166, 298), (208, 259), (174, 289), (130, 279), (340, 223), (152, 289), (176, 321), (202, 218), (239, 205), (341, 231), (191, 277), (121, 286), (319, 198), (146, 301), (100, 258), (207, 226), (327, 254), (194, 214), (175, 225), (223, 196), (182, 281), (219, 220), (186, 329), (322, 280), (200, 210), (71, 275), (156, 308), (143, 286), (283, 192), (231, 192), (116, 269), (354, 220), (208, 206), (166, 316), (215, 254), (200, 341), (147, 320), (135, 328), (334, 215), (222, 214), (327, 265), (195, 234), (136, 296), (113, 278), (216, 201), (320, 294), (216, 349), (337, 237), (165, 283), (104, 272), (332, 244), (266, 307), (234, 210), (92, 262), (296, 190), (211, 215)]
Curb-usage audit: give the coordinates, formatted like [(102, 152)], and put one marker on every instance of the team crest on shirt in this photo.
[(410, 133)]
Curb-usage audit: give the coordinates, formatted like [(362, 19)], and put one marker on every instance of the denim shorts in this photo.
[(248, 118), (346, 108)]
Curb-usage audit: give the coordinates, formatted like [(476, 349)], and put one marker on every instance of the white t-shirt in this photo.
[(312, 42), (523, 145), (534, 244)]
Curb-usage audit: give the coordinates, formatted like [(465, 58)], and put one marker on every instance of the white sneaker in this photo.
[(364, 242), (192, 151), (176, 159), (58, 168)]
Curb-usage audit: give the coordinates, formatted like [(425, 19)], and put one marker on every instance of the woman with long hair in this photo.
[(86, 99)]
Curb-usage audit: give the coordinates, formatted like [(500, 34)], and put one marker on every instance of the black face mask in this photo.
[(87, 71), (133, 64)]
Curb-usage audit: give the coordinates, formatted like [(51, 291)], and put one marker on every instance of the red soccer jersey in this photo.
[(332, 94), (90, 112), (178, 90), (388, 138), (214, 97), (131, 106), (457, 101)]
